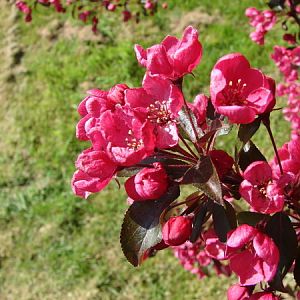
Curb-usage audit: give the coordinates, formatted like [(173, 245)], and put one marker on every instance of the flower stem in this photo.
[(180, 157), (266, 122), (187, 146)]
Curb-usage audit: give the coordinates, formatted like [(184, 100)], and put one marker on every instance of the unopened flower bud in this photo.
[(177, 230)]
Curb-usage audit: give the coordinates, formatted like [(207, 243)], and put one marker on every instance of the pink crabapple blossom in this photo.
[(263, 21), (172, 58), (257, 250), (146, 134), (239, 91), (129, 140), (157, 102), (260, 190)]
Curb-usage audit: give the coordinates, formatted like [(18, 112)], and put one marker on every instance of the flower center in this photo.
[(132, 142), (158, 113), (234, 93), (262, 188)]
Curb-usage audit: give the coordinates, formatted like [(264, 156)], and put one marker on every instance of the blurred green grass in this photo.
[(52, 244)]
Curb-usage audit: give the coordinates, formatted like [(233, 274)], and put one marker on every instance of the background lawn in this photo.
[(52, 244)]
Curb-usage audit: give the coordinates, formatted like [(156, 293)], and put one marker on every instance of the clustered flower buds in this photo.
[(89, 11), (243, 213)]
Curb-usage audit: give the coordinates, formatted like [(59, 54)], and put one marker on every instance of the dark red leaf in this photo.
[(281, 230), (248, 155), (141, 229), (204, 176)]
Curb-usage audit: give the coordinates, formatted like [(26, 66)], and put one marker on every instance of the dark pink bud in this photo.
[(126, 15), (177, 230), (84, 15), (290, 38), (95, 24), (148, 184)]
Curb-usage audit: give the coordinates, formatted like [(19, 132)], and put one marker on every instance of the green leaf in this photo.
[(141, 229), (205, 177)]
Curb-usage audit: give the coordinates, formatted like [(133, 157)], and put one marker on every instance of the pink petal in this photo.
[(171, 43), (131, 190), (138, 97), (241, 236), (141, 55), (261, 100), (189, 52), (266, 249), (83, 185), (167, 136), (80, 128), (258, 172), (247, 266), (157, 61), (158, 87), (237, 114), (237, 292)]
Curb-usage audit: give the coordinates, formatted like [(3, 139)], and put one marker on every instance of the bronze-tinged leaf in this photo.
[(246, 131), (222, 220), (141, 229), (249, 154), (188, 124), (281, 230), (297, 268), (251, 218), (198, 222), (205, 177), (174, 167)]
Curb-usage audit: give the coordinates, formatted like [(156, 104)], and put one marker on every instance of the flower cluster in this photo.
[(89, 11), (263, 21), (287, 59), (243, 213)]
